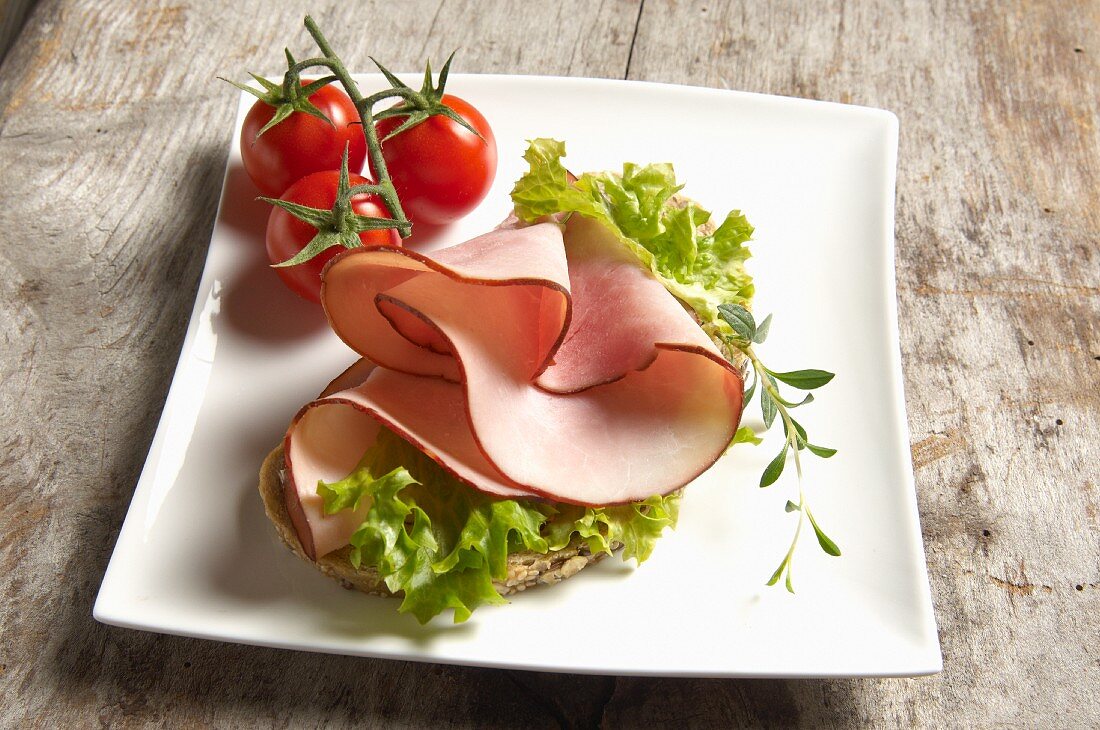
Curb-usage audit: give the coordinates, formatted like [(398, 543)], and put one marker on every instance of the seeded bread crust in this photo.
[(525, 569)]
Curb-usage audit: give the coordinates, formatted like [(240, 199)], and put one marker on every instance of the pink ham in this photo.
[(526, 363)]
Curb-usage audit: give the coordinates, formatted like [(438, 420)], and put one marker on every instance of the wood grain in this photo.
[(113, 134)]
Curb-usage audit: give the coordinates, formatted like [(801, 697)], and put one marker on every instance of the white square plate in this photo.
[(197, 557)]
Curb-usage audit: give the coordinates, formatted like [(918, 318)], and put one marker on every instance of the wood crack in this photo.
[(431, 29), (634, 39), (1020, 589)]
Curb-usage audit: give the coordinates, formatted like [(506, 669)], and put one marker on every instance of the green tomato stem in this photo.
[(331, 61), (413, 97)]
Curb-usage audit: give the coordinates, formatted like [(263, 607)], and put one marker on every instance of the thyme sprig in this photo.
[(774, 406)]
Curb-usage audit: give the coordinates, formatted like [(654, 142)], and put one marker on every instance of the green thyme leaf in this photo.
[(791, 404), (823, 451), (798, 430), (780, 399), (775, 468), (740, 319), (804, 379), (750, 391), (767, 407), (826, 543), (779, 571), (762, 330)]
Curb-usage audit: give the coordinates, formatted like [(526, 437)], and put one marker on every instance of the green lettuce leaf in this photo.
[(442, 543), (702, 270), (636, 526)]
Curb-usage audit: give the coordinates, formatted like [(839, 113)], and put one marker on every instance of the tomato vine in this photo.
[(416, 106)]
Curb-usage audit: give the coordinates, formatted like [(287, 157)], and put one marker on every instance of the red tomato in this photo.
[(440, 169), (301, 144), (286, 235)]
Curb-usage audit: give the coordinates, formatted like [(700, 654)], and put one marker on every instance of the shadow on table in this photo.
[(145, 677), (142, 677)]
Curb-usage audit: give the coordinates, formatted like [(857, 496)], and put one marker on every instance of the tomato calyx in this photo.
[(417, 106), (339, 226), (286, 97)]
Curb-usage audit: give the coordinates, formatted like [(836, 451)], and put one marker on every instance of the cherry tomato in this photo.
[(286, 235), (440, 169), (301, 143)]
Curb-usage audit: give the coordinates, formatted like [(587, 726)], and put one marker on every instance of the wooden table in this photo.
[(113, 137)]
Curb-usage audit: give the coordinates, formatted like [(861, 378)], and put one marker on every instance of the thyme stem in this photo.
[(792, 441), (772, 403)]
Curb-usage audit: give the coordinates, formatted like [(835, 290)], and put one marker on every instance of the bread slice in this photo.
[(525, 569)]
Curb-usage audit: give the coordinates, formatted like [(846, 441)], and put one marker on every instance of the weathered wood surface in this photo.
[(113, 136)]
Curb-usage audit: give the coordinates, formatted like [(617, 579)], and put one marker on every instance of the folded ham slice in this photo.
[(529, 362)]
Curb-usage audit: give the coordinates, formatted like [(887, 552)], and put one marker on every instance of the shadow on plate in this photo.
[(259, 306), (253, 566), (241, 210), (426, 238)]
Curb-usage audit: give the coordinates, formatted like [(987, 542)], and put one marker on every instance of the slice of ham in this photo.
[(528, 364)]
